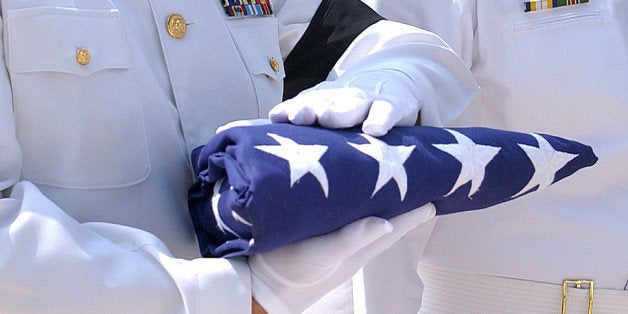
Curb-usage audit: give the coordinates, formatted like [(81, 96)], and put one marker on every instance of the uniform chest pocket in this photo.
[(257, 40), (77, 108), (560, 17)]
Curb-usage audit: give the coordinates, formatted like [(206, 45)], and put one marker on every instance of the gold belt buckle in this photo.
[(578, 284)]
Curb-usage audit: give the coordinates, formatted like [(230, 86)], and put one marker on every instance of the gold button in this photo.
[(273, 64), (176, 26), (82, 56)]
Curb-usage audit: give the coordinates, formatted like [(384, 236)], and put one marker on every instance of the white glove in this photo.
[(236, 123), (295, 276), (379, 99)]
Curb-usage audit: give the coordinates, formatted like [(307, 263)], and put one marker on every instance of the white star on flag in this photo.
[(546, 161), (302, 159), (473, 157), (215, 198), (390, 159)]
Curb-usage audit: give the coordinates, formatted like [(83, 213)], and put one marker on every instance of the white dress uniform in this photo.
[(100, 104), (557, 70)]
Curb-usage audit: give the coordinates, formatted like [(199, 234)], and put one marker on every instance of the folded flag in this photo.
[(262, 187)]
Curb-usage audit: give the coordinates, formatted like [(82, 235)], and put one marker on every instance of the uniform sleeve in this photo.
[(454, 21), (51, 263), (10, 158), (314, 50), (432, 67), (443, 82)]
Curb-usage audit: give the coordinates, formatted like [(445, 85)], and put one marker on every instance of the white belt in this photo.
[(451, 292)]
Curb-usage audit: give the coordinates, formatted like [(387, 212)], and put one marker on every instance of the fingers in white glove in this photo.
[(332, 108), (295, 276), (379, 100), (320, 255), (237, 123), (397, 104), (312, 260), (348, 107), (381, 118), (298, 110)]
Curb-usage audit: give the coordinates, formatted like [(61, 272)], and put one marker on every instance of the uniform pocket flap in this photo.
[(262, 56), (34, 47)]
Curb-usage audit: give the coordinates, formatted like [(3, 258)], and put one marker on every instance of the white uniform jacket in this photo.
[(560, 71), (95, 150)]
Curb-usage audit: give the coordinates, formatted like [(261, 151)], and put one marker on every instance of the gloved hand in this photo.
[(379, 99), (250, 122), (295, 276)]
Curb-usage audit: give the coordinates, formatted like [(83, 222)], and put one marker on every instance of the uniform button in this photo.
[(273, 64), (176, 26), (82, 56)]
